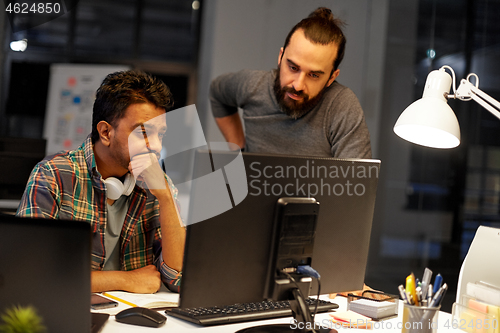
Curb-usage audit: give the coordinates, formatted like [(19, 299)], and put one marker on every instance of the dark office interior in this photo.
[(442, 196)]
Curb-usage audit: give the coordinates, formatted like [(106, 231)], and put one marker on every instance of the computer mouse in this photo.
[(141, 316)]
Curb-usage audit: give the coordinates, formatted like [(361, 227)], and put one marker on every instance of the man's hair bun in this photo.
[(323, 13), (321, 27)]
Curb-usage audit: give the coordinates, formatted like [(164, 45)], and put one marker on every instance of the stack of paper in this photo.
[(374, 309)]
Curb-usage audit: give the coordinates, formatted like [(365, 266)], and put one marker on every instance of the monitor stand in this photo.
[(303, 322)]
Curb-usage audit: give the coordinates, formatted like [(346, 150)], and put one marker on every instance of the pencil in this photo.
[(120, 300)]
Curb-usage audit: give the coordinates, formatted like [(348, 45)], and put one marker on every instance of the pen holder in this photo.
[(420, 319)]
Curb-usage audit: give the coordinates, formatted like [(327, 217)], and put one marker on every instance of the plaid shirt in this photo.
[(68, 186)]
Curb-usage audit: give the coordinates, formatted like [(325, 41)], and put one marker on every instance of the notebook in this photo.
[(46, 264)]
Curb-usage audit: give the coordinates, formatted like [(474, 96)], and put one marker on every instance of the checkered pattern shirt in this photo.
[(68, 186)]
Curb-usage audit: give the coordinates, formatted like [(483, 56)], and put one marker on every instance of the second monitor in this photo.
[(226, 257)]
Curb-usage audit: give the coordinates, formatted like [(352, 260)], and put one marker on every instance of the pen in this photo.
[(445, 287), (438, 281), (438, 297), (426, 279), (402, 292), (429, 294), (418, 290), (410, 288), (410, 298)]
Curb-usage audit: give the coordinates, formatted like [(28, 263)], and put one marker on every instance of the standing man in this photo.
[(138, 237), (299, 108)]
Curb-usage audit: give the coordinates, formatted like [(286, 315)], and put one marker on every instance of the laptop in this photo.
[(46, 264)]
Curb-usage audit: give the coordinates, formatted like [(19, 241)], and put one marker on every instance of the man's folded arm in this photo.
[(39, 199)]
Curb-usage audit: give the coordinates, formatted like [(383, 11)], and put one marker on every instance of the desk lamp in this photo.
[(430, 121)]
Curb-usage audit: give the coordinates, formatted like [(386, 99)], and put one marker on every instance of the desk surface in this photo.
[(180, 326)]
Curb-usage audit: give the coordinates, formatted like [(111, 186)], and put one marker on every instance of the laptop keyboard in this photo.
[(243, 312)]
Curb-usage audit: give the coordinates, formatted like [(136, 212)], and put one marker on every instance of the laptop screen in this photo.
[(46, 264)]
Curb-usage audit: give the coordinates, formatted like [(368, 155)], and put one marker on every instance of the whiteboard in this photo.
[(71, 95)]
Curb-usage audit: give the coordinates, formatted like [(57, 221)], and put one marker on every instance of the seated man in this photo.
[(138, 237)]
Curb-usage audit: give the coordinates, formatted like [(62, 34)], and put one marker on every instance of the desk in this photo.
[(175, 325)]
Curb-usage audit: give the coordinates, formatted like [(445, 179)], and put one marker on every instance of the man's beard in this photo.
[(122, 159), (294, 109)]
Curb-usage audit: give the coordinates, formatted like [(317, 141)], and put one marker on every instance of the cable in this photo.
[(317, 299), (298, 289), (291, 278), (309, 271)]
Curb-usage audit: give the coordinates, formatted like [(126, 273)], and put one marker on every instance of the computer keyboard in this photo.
[(243, 312)]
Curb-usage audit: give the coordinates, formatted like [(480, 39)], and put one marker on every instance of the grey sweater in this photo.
[(335, 127)]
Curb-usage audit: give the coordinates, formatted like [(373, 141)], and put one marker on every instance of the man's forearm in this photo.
[(232, 129), (172, 231), (143, 280), (108, 280)]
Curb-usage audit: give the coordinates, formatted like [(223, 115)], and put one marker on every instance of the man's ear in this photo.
[(280, 56), (333, 77), (105, 131)]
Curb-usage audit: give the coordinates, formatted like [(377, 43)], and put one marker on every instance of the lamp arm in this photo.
[(485, 105), (468, 90)]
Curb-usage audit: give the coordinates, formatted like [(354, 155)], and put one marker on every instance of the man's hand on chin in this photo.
[(146, 167)]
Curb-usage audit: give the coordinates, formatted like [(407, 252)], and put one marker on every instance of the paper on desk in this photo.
[(351, 319), (160, 299)]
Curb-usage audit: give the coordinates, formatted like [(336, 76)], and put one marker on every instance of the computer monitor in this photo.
[(226, 259), (18, 156)]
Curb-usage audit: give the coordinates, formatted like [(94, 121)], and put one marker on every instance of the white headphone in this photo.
[(115, 188)]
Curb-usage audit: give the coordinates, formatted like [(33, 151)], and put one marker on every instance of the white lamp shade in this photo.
[(429, 122)]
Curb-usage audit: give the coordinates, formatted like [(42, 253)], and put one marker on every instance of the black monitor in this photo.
[(230, 259), (18, 156)]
